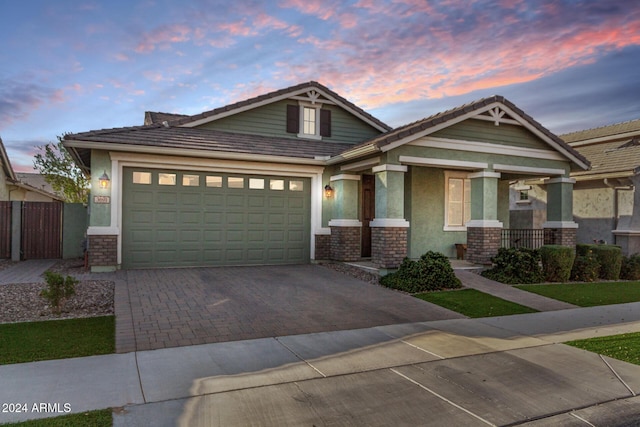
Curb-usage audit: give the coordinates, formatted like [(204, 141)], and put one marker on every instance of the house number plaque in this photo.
[(102, 199)]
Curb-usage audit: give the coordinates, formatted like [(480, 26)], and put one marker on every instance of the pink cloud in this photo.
[(163, 36)]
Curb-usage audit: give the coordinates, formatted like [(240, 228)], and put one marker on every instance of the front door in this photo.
[(368, 211)]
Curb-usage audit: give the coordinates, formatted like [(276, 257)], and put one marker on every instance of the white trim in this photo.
[(345, 223), (484, 223), (389, 222), (390, 167), (626, 232), (344, 177), (324, 231), (527, 169), (121, 160), (359, 166), (484, 174), (191, 153), (458, 175), (559, 224), (442, 163), (624, 135), (312, 106), (560, 180), (486, 147), (103, 231), (501, 120)]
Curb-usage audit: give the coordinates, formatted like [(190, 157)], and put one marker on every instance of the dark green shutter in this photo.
[(325, 122), (293, 119)]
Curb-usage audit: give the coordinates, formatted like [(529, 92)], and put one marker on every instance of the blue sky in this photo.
[(74, 66)]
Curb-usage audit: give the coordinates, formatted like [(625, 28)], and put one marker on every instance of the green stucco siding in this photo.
[(270, 120), (426, 214), (483, 131), (100, 212)]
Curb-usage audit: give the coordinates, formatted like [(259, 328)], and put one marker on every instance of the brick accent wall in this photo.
[(345, 243), (560, 236), (103, 251), (388, 246), (323, 246), (482, 244)]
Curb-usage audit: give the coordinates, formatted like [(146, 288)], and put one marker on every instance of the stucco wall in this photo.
[(593, 210), (4, 191)]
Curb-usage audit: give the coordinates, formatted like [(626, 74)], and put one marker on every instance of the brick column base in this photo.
[(103, 251), (388, 246), (482, 244), (345, 243), (560, 236), (323, 246)]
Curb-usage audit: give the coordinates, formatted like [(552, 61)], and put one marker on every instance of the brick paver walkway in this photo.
[(175, 307), (29, 271)]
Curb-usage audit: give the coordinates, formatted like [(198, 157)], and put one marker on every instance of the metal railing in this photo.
[(522, 238)]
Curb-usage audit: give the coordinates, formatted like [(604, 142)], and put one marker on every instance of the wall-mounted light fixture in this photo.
[(104, 180), (328, 191)]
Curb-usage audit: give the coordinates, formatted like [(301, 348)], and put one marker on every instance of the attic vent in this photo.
[(635, 142)]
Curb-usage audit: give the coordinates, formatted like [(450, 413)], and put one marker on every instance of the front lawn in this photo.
[(473, 303), (588, 294), (100, 418), (623, 347), (56, 339)]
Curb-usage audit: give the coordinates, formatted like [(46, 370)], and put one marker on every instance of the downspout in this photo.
[(615, 197)]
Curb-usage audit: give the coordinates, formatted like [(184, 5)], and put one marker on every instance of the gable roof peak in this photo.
[(277, 95)]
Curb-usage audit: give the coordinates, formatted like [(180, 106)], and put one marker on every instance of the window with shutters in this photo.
[(309, 121), (457, 201)]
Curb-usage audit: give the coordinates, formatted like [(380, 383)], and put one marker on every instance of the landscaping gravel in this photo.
[(22, 302)]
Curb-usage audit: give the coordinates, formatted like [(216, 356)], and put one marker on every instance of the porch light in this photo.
[(328, 191), (104, 180)]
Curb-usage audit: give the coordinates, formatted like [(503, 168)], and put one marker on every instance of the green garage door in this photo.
[(181, 218)]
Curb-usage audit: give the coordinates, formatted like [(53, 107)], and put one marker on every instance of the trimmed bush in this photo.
[(432, 272), (556, 262), (586, 268), (630, 267), (58, 290), (610, 259), (515, 266), (583, 249)]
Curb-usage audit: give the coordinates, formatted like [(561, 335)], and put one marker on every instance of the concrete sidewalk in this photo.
[(491, 371), (509, 293)]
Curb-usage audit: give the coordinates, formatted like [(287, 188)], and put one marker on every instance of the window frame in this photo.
[(465, 203), (301, 108)]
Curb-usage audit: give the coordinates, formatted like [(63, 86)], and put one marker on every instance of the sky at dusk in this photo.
[(74, 66)]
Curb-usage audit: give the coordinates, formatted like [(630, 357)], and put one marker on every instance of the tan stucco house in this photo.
[(303, 174), (606, 204)]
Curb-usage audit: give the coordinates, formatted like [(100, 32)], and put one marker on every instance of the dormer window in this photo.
[(309, 120)]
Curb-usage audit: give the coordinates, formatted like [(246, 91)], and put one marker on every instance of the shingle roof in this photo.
[(277, 94), (632, 126), (446, 116), (612, 156), (153, 117), (159, 136)]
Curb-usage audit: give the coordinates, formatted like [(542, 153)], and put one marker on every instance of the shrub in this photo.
[(630, 267), (557, 262), (515, 266), (583, 249), (586, 268), (58, 290), (610, 259), (431, 272)]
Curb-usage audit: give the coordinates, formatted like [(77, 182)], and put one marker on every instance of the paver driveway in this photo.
[(175, 307)]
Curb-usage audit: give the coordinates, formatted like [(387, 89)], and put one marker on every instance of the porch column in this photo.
[(484, 229), (389, 227), (344, 224), (560, 229)]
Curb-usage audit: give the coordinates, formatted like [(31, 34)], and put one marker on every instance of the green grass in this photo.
[(56, 339), (473, 303), (100, 418), (623, 347), (589, 294)]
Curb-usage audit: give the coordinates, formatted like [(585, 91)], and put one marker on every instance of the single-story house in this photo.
[(606, 205), (303, 174), (24, 187)]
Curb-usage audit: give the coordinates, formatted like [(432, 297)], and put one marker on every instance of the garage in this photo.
[(175, 218)]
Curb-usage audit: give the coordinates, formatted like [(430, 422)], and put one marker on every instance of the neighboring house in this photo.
[(605, 203), (302, 174), (25, 187)]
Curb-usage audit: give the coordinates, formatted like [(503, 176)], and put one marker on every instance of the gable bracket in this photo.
[(497, 116)]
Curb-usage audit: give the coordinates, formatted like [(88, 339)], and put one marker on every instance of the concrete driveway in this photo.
[(165, 308)]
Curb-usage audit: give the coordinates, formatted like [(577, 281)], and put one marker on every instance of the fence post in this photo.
[(16, 230)]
